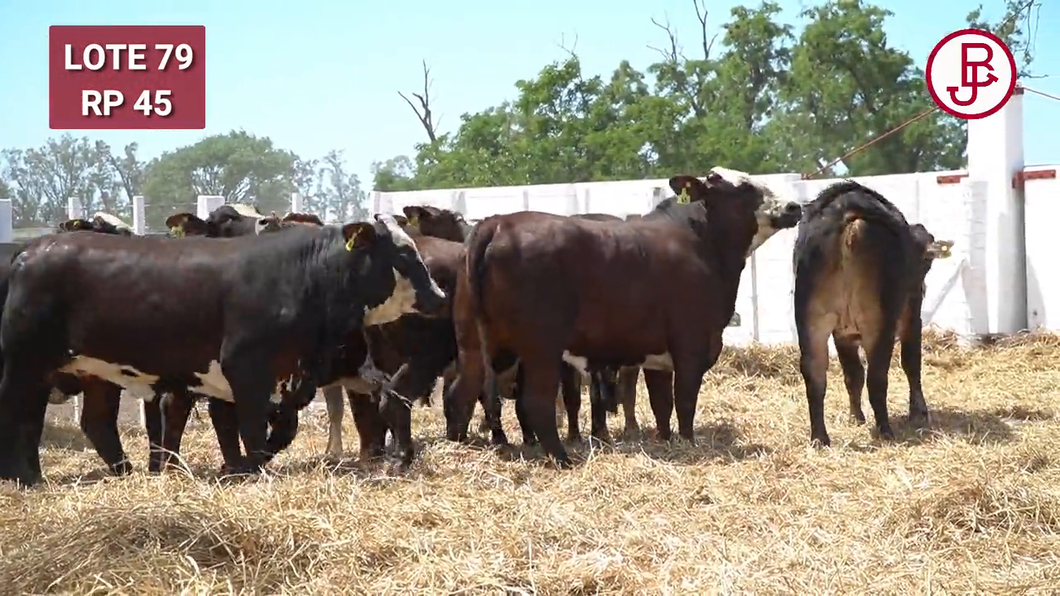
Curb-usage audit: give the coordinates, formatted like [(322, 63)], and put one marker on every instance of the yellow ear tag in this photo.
[(353, 238), (414, 221), (683, 198), (177, 231)]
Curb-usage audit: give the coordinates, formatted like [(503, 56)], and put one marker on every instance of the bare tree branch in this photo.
[(701, 16), (673, 55), (423, 113)]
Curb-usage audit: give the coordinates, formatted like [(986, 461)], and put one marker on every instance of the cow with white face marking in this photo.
[(536, 286), (241, 316)]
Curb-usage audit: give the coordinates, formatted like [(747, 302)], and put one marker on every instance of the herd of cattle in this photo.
[(256, 313)]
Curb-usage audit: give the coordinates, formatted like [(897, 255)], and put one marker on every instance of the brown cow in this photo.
[(859, 278), (539, 286)]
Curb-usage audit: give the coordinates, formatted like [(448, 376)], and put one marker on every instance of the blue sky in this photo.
[(316, 75)]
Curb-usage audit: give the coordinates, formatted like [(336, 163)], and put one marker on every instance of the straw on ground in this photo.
[(974, 504)]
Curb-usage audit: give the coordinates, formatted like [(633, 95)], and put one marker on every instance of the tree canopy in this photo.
[(755, 95)]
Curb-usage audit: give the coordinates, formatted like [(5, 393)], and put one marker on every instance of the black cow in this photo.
[(242, 318), (228, 221), (859, 278), (538, 286)]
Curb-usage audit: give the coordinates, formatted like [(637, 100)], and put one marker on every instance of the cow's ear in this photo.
[(414, 213), (183, 224), (940, 249), (75, 224), (358, 235), (688, 188)]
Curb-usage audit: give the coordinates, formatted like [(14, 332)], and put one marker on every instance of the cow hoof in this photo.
[(574, 437), (919, 419), (857, 418), (563, 462), (821, 441), (885, 433), (499, 439), (663, 435)]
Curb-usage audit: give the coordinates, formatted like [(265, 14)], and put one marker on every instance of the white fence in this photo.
[(997, 280)]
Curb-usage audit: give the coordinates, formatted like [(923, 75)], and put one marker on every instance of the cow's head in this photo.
[(390, 271), (103, 223), (440, 223), (224, 222), (928, 249), (739, 207)]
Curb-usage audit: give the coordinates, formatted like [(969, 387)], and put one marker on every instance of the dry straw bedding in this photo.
[(972, 505)]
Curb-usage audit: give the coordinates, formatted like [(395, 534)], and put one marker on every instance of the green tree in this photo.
[(239, 166), (43, 179)]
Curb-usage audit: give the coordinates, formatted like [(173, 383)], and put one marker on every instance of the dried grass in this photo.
[(971, 505)]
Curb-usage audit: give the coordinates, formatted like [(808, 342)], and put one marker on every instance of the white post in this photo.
[(6, 221), (377, 201), (73, 208), (526, 199), (572, 200), (995, 155), (588, 204), (658, 195), (73, 211), (296, 202), (207, 203), (139, 222)]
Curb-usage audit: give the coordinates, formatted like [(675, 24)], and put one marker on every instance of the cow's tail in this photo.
[(851, 238), (477, 243)]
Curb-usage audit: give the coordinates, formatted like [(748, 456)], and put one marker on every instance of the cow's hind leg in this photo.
[(911, 362), (881, 348), (853, 375), (20, 389), (99, 422), (336, 406), (813, 364), (542, 375), (571, 391)]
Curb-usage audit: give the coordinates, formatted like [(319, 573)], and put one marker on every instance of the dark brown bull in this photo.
[(859, 278), (538, 286)]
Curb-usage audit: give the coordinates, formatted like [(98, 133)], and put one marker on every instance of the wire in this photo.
[(864, 146), (1042, 93)]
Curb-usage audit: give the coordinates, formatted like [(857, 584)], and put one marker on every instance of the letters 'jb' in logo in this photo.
[(971, 74)]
